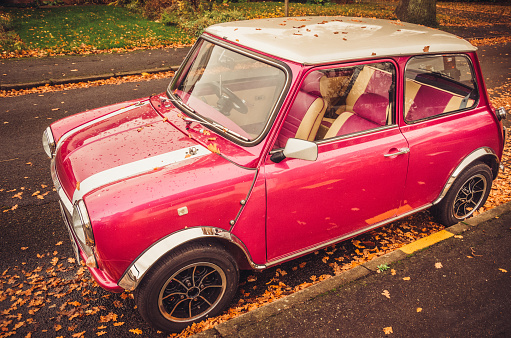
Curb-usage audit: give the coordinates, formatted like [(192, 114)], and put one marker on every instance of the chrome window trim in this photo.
[(473, 156), (138, 268), (360, 133), (131, 169), (248, 53), (99, 119)]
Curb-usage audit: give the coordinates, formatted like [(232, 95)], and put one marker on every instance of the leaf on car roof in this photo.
[(426, 49)]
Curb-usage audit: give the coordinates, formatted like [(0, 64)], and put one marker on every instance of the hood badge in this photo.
[(192, 151)]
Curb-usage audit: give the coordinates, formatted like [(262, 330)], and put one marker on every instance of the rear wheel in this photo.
[(187, 286), (468, 193)]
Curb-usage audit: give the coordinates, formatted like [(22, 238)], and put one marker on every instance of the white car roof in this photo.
[(316, 40)]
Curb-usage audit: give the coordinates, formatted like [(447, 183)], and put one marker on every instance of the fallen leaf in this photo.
[(438, 265), (388, 330), (503, 270), (392, 272), (386, 293), (136, 331), (18, 195), (213, 148), (24, 248), (419, 309), (426, 49), (406, 278)]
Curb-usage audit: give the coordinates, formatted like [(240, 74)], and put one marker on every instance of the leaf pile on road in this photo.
[(27, 300)]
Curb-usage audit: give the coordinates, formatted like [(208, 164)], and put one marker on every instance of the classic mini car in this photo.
[(275, 137)]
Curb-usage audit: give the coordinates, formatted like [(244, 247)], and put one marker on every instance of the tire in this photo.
[(468, 193), (189, 285)]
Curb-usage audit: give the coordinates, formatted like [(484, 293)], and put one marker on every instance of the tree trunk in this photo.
[(421, 12)]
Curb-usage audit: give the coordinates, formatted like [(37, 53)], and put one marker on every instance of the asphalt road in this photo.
[(35, 228)]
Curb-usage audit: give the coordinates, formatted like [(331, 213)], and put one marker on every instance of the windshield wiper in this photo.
[(219, 126), (176, 99)]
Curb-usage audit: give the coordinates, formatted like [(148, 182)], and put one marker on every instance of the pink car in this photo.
[(275, 138)]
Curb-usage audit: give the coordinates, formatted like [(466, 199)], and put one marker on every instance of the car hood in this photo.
[(128, 142)]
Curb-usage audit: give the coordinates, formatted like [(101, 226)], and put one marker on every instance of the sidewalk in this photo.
[(459, 287), (33, 72)]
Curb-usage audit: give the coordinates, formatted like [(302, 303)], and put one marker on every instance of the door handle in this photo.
[(399, 152)]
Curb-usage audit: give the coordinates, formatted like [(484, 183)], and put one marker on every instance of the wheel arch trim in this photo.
[(471, 158), (137, 270)]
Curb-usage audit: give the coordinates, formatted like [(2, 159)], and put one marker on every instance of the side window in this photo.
[(436, 85), (340, 101)]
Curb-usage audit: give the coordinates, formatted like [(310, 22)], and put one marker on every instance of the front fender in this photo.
[(137, 270)]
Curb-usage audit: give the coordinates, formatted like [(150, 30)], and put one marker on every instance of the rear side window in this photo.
[(437, 85)]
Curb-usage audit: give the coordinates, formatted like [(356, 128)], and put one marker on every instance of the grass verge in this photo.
[(86, 29)]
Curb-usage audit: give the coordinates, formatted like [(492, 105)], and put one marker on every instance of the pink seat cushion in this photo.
[(372, 107), (428, 102), (296, 114), (354, 124)]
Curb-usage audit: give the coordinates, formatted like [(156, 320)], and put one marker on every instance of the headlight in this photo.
[(48, 142), (82, 226)]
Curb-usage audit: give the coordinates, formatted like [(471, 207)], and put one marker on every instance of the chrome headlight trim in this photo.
[(49, 142), (81, 224)]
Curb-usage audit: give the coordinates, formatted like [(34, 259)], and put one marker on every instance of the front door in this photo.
[(351, 186)]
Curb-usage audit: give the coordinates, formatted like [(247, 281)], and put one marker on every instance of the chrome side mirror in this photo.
[(299, 149)]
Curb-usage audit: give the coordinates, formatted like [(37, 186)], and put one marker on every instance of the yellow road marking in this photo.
[(426, 241)]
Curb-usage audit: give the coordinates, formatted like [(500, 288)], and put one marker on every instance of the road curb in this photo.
[(87, 78), (232, 326)]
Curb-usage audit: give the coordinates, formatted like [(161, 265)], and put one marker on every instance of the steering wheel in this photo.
[(227, 100)]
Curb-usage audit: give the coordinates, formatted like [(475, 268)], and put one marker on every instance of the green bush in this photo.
[(196, 27), (180, 10), (5, 22), (318, 2), (154, 8)]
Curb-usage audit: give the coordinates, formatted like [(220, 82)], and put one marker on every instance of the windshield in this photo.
[(229, 89)]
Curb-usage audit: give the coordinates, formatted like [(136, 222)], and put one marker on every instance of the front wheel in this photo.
[(468, 193), (187, 286)]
